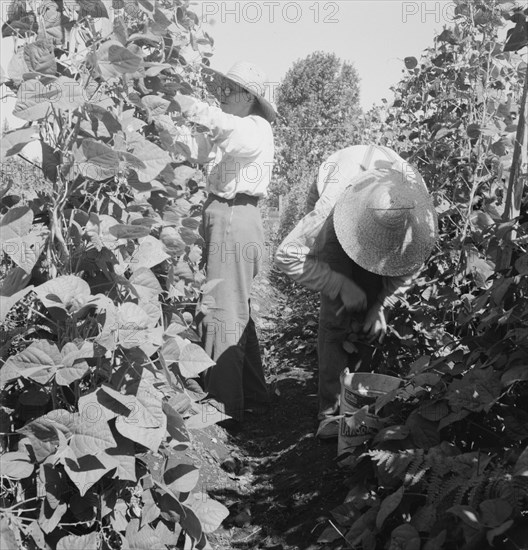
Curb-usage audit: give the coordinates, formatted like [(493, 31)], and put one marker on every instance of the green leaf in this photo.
[(25, 251), (39, 361), (16, 465), (67, 292), (13, 142), (175, 423), (207, 415), (193, 361), (34, 99), (90, 437), (123, 231), (392, 433), (406, 536), (13, 290), (182, 478), (92, 8), (43, 432), (102, 161), (123, 60), (154, 158), (467, 514), (87, 470), (149, 254), (495, 512), (172, 242), (16, 223), (146, 423), (73, 366), (155, 105), (519, 373), (410, 63), (83, 542), (521, 466), (211, 513), (133, 326), (142, 539), (388, 506), (8, 540), (145, 284), (473, 131), (39, 57)]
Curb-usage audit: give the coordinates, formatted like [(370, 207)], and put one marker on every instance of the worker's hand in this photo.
[(375, 325), (353, 297), (185, 102)]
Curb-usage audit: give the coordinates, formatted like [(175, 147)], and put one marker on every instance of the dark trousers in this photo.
[(335, 327), (234, 248)]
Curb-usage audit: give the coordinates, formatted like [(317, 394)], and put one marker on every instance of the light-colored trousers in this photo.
[(234, 248)]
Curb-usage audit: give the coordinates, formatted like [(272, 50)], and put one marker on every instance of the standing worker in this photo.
[(371, 225), (240, 139)]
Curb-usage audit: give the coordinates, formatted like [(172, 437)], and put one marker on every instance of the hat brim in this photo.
[(384, 250), (268, 109)]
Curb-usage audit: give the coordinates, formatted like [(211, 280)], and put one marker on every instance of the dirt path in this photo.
[(277, 479)]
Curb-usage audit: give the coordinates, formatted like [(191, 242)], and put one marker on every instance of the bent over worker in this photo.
[(238, 145), (370, 227)]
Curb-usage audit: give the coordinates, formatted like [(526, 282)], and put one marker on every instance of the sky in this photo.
[(374, 35)]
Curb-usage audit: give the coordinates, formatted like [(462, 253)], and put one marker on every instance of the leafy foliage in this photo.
[(318, 102), (103, 272), (448, 469)]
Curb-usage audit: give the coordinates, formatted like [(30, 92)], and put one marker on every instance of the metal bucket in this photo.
[(358, 391)]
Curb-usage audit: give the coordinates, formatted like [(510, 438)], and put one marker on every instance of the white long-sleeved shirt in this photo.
[(238, 151), (309, 254)]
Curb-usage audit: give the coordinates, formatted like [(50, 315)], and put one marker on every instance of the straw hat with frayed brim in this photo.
[(252, 79), (386, 222)]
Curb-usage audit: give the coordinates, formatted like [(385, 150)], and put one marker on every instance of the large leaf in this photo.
[(154, 158), (123, 231), (102, 162), (16, 465), (388, 506), (149, 253), (39, 361), (7, 536), (67, 292), (90, 437), (211, 513), (83, 542), (123, 60), (73, 365), (155, 105), (142, 539), (175, 423), (86, 471), (13, 142), (43, 432), (13, 290), (182, 478), (145, 284), (92, 8), (35, 98), (193, 360), (16, 223), (39, 57), (133, 326), (25, 251), (146, 423)]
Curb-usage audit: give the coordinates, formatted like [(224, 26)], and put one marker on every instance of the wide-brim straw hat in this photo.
[(252, 79), (386, 221)]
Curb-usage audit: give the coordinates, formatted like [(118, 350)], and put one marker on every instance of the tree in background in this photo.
[(318, 103)]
